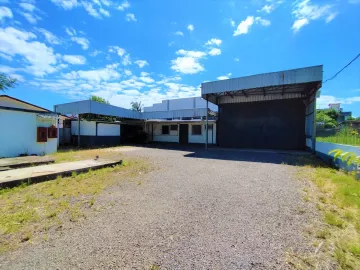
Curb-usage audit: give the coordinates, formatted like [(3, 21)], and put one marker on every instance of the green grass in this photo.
[(337, 196), (347, 136), (29, 211)]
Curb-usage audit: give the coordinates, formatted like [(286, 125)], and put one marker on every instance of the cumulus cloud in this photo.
[(82, 41), (130, 17), (66, 4), (179, 33), (244, 26), (124, 5), (224, 77), (325, 100), (305, 11), (50, 37), (188, 62), (214, 51), (141, 63), (214, 41), (39, 58), (190, 27), (75, 59), (5, 12)]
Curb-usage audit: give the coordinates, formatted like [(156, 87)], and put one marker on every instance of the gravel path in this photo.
[(203, 210)]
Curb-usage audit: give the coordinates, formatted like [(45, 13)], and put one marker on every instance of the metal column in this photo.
[(79, 130), (314, 126), (207, 122)]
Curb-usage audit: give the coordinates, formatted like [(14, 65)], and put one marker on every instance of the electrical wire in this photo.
[(333, 77)]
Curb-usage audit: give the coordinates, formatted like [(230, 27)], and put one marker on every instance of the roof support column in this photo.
[(313, 148), (207, 122), (79, 130)]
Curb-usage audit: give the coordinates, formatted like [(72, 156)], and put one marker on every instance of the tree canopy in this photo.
[(99, 99), (328, 117), (6, 82), (136, 106)]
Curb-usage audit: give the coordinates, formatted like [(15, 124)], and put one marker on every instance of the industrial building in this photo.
[(267, 111)]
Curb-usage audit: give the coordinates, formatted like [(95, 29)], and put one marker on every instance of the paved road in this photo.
[(214, 210)]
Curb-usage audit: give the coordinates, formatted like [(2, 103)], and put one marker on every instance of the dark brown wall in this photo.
[(278, 124)]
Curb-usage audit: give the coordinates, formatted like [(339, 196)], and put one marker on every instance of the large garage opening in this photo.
[(277, 124), (267, 111)]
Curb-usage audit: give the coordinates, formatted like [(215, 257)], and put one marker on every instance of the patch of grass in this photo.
[(337, 195), (333, 220), (30, 211)]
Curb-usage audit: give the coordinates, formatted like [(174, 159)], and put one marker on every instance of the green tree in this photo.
[(357, 119), (136, 106), (99, 99), (6, 82), (350, 118), (328, 117)]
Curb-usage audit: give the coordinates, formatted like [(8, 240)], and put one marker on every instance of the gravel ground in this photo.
[(200, 210)]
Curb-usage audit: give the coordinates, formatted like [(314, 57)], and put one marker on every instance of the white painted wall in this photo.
[(87, 128), (108, 129), (180, 104), (174, 135), (19, 134), (202, 138)]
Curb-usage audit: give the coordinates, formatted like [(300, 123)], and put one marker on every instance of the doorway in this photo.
[(184, 134)]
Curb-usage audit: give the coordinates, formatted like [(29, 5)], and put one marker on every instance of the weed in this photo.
[(333, 220), (322, 234)]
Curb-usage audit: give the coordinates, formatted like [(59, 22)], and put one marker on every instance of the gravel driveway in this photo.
[(202, 210)]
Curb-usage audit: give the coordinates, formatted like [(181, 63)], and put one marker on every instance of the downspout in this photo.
[(79, 130), (207, 122), (314, 126)]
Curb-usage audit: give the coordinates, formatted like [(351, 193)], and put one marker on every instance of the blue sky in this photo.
[(66, 50)]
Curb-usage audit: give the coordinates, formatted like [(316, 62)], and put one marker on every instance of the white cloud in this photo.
[(126, 60), (124, 5), (244, 26), (84, 42), (305, 12), (118, 50), (130, 17), (179, 33), (267, 8), (127, 72), (236, 59), (104, 12), (96, 75), (263, 22), (39, 58), (27, 6), (190, 27), (5, 13), (6, 57), (66, 4), (91, 10), (95, 53), (324, 101), (188, 63), (31, 18), (50, 37), (214, 41), (75, 59), (215, 51), (224, 77), (141, 63), (232, 22)]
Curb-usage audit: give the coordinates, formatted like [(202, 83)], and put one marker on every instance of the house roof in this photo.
[(24, 102)]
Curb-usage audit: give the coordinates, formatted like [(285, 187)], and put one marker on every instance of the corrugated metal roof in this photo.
[(270, 82), (88, 106)]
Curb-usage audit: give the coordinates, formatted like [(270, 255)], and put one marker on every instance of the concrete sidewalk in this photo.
[(17, 162), (46, 172)]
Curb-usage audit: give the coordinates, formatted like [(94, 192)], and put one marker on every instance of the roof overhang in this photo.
[(295, 83)]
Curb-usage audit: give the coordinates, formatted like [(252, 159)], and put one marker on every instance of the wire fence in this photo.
[(344, 135)]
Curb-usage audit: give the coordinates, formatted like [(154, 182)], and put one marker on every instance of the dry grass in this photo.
[(336, 195), (32, 211), (75, 154)]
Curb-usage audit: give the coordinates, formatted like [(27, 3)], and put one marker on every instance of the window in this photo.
[(165, 130), (174, 127), (196, 129), (210, 127), (42, 134)]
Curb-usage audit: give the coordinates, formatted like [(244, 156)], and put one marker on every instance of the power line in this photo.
[(333, 77)]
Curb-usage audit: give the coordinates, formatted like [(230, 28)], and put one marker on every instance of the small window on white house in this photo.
[(165, 130), (196, 129), (173, 127)]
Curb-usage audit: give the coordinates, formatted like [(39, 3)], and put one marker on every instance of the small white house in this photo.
[(181, 131), (26, 129)]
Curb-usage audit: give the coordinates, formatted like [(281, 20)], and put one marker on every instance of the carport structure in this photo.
[(267, 111)]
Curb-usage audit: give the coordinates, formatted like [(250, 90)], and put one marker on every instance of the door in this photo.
[(184, 134)]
